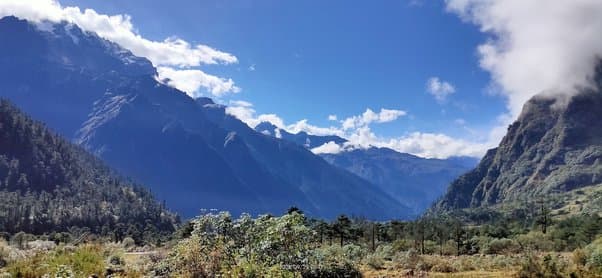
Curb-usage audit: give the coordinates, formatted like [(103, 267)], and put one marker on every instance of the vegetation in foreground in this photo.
[(292, 245)]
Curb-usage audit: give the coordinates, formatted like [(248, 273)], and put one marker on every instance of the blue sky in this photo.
[(317, 58), (440, 78)]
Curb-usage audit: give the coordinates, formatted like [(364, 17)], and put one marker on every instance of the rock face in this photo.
[(554, 146), (189, 152)]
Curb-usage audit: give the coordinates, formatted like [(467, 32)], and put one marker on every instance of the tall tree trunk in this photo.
[(373, 234)]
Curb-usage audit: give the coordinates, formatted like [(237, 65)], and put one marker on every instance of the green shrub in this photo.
[(64, 271), (20, 239), (535, 240), (579, 257), (595, 260), (128, 243), (353, 252), (530, 267), (81, 262), (408, 259), (116, 260), (375, 261), (548, 267), (346, 270), (402, 245), (501, 246), (442, 265), (594, 256)]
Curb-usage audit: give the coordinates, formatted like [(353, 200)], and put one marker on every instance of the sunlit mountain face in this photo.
[(190, 153)]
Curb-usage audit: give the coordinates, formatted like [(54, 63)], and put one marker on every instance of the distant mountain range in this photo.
[(554, 147), (302, 138), (413, 181), (189, 152)]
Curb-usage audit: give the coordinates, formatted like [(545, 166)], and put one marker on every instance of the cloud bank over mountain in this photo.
[(174, 56), (357, 130), (535, 46)]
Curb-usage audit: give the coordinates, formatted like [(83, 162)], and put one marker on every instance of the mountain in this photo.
[(554, 147), (323, 184), (302, 138), (50, 185), (414, 181), (189, 152)]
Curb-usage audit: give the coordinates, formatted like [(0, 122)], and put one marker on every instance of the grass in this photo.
[(395, 273), (83, 261)]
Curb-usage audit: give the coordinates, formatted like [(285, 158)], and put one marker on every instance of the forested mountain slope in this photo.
[(50, 185)]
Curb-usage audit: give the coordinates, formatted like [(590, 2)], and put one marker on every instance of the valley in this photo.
[(126, 156)]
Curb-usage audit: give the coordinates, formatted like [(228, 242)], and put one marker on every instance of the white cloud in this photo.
[(252, 67), (435, 145), (428, 145), (356, 130), (439, 89), (536, 46), (332, 117), (243, 110), (241, 103), (369, 116), (172, 54), (303, 125), (192, 80), (328, 148)]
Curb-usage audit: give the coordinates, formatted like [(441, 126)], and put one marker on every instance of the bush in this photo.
[(402, 245), (594, 261), (530, 267), (375, 261), (20, 239), (548, 267), (442, 265), (40, 245), (407, 260), (116, 260), (579, 257), (353, 252), (501, 246), (346, 270), (64, 271), (128, 243), (535, 241), (594, 256), (82, 262), (266, 246)]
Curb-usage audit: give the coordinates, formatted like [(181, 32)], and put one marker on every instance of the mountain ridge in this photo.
[(554, 146), (50, 185), (192, 155), (413, 181)]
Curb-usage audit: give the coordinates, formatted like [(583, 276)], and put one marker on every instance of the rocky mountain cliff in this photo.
[(554, 146)]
